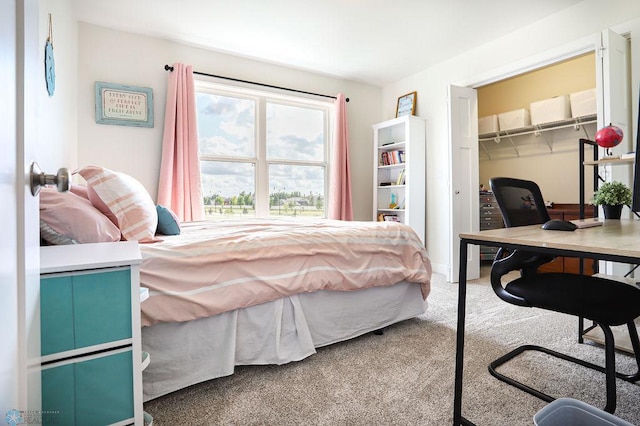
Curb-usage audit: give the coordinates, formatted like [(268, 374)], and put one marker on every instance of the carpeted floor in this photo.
[(405, 377)]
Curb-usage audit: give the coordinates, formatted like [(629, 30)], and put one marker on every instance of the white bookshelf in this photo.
[(400, 149)]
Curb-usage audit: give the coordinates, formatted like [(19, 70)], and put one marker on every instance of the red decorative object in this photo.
[(609, 136)]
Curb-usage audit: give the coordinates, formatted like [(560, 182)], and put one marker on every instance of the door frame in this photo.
[(532, 63), (10, 393), (576, 48)]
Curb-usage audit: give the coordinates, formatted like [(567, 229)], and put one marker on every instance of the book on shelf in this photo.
[(388, 158), (391, 218), (401, 177)]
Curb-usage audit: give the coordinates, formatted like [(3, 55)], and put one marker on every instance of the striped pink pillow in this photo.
[(123, 200)]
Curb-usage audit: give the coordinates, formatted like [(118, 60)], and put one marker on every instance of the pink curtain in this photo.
[(179, 188), (340, 179)]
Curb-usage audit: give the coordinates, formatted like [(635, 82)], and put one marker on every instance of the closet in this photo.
[(602, 61), (548, 156), (545, 153)]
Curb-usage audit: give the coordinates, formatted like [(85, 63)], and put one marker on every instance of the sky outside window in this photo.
[(226, 127)]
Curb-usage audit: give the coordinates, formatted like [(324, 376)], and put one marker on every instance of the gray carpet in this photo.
[(405, 377)]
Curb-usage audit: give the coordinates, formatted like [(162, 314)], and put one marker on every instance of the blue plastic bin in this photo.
[(571, 412)]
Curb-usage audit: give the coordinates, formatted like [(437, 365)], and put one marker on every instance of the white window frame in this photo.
[(261, 98)]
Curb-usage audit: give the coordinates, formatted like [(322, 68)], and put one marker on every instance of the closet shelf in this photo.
[(538, 128), (612, 160)]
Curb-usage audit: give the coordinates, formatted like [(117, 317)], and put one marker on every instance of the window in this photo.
[(260, 154)]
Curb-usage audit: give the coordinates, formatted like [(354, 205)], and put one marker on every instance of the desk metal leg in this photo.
[(580, 330), (462, 296)]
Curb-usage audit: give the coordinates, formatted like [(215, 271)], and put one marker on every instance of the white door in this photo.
[(464, 181), (614, 91), (613, 83), (19, 267), (612, 73), (9, 364)]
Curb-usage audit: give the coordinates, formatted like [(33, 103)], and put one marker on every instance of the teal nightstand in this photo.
[(90, 334)]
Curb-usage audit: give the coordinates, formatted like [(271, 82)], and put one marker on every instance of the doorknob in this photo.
[(38, 179)]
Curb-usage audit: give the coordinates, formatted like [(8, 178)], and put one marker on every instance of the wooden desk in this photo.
[(616, 241)]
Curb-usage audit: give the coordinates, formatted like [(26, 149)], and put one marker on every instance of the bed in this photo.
[(271, 292), (248, 292)]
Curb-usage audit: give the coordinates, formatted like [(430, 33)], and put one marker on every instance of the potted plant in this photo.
[(612, 196)]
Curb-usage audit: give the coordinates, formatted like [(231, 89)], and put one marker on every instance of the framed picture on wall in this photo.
[(406, 104), (124, 105)]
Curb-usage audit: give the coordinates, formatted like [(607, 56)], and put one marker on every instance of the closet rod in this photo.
[(170, 68)]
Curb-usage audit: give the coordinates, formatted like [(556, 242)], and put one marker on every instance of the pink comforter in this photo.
[(214, 267)]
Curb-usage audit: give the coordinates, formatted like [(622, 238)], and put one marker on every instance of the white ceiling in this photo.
[(372, 41)]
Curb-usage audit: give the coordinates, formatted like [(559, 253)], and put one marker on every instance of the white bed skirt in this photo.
[(278, 332)]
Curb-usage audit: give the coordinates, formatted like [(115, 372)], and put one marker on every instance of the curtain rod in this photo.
[(170, 68)]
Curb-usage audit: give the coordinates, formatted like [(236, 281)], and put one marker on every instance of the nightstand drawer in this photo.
[(84, 309), (89, 390)]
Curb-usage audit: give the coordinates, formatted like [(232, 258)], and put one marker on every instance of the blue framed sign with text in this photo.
[(124, 105)]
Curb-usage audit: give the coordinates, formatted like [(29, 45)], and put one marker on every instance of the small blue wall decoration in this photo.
[(124, 105), (49, 62)]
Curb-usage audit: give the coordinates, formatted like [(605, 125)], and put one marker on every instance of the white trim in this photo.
[(136, 345), (124, 422), (548, 57), (84, 272), (234, 89), (262, 168), (83, 350), (570, 50), (85, 358)]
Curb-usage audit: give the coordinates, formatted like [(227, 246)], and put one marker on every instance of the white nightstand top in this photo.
[(88, 256)]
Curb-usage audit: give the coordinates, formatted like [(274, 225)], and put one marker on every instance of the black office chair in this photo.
[(606, 302)]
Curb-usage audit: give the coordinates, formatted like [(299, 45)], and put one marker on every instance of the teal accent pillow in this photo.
[(168, 223)]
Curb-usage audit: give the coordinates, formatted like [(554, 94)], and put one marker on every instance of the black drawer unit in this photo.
[(490, 218)]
